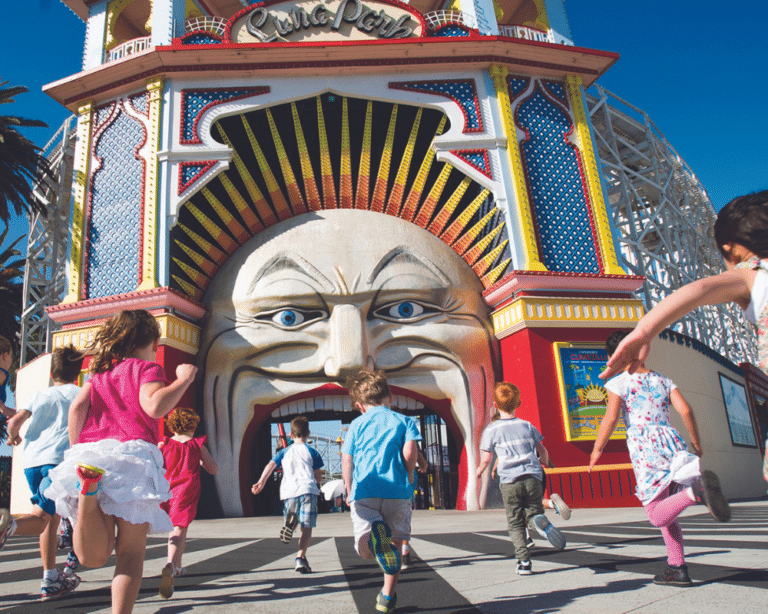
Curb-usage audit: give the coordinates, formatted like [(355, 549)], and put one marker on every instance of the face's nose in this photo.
[(348, 343)]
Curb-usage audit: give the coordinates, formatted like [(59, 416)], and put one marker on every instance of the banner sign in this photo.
[(313, 20), (582, 394)]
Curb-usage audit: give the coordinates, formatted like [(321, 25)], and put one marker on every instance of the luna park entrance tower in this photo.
[(300, 189)]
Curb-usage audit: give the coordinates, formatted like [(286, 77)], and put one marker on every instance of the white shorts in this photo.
[(395, 512)]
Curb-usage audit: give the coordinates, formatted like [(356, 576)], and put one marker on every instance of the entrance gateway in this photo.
[(298, 190)]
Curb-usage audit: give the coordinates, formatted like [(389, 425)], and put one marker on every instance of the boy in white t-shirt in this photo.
[(299, 489), (46, 440)]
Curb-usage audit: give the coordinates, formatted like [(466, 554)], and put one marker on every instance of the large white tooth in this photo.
[(319, 402), (293, 407), (284, 411), (419, 405), (411, 403), (337, 402), (346, 404), (276, 413)]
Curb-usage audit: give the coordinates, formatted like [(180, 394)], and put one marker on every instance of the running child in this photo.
[(660, 457), (741, 234), (518, 445), (302, 474), (113, 430), (184, 454), (46, 440), (378, 458), (6, 396)]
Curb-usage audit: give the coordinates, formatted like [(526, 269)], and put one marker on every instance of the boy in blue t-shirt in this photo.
[(378, 459), (46, 440), (302, 473), (518, 445)]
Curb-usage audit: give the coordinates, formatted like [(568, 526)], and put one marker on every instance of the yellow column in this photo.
[(151, 187), (532, 260), (82, 164), (594, 185)]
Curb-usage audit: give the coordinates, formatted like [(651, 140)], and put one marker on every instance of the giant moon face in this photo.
[(316, 298)]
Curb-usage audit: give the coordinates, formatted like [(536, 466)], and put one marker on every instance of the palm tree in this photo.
[(21, 161), (11, 276)]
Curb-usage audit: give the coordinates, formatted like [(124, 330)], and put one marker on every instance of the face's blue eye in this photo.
[(405, 310), (288, 317)]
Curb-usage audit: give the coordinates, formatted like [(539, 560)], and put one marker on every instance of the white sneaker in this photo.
[(547, 530), (561, 507), (524, 568)]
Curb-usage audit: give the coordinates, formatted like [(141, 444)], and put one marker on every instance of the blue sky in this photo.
[(697, 68)]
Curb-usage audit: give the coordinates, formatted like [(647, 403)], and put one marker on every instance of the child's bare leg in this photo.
[(130, 549), (390, 582), (176, 542), (93, 537), (49, 542), (306, 536)]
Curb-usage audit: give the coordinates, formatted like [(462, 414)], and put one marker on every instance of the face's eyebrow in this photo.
[(404, 254), (289, 261)]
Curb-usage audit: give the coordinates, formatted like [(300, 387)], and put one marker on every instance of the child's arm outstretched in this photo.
[(259, 486), (14, 425), (723, 288), (686, 413), (607, 426), (207, 462), (157, 399)]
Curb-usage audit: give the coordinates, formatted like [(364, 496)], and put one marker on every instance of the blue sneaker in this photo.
[(547, 530), (386, 554), (386, 604)]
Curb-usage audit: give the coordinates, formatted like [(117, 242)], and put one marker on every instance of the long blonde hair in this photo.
[(120, 336)]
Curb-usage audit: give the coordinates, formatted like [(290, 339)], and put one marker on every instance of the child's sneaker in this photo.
[(286, 533), (708, 490), (524, 568), (6, 525), (166, 582), (561, 507), (381, 545), (386, 604), (549, 531), (53, 589), (70, 567), (65, 534), (674, 576), (178, 571), (406, 557), (302, 566)]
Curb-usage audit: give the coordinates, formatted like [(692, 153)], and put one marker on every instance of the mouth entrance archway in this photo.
[(442, 446)]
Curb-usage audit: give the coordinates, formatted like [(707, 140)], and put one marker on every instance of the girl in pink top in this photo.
[(184, 454), (113, 433)]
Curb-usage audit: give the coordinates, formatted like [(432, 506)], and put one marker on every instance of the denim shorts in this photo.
[(38, 480)]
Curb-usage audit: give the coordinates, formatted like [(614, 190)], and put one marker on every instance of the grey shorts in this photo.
[(395, 512)]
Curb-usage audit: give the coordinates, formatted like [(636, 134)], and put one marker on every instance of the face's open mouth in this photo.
[(401, 403)]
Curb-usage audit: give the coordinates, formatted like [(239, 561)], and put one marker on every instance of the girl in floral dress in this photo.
[(741, 234), (660, 457)]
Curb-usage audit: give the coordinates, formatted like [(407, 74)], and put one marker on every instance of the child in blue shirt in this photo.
[(378, 459), (302, 473), (46, 440)]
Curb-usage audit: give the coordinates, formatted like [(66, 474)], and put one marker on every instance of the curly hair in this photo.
[(368, 388), (120, 336), (182, 420), (507, 397), (66, 363)]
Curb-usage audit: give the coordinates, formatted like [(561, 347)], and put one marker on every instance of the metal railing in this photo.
[(526, 33), (213, 25), (129, 48), (438, 19)]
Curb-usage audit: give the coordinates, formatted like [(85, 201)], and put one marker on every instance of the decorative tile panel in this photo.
[(463, 93), (451, 31), (476, 158), (196, 102), (189, 172)]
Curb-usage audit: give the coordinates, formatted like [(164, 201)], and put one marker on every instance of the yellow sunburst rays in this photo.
[(259, 202), (236, 228), (382, 177), (460, 223), (209, 263), (398, 190), (345, 172), (310, 187), (442, 217), (486, 261), (430, 202), (294, 194), (364, 174), (245, 212), (329, 190), (281, 207), (417, 189), (227, 243)]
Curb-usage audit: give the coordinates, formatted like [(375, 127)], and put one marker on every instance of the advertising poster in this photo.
[(582, 393)]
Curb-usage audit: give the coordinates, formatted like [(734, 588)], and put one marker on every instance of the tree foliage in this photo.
[(21, 161), (11, 285)]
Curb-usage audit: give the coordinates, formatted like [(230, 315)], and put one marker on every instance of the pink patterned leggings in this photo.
[(663, 512)]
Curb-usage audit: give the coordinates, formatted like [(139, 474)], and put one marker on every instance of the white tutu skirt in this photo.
[(132, 487)]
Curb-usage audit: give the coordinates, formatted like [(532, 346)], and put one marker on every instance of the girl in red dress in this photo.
[(184, 454)]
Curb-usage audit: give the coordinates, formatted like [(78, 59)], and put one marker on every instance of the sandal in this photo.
[(88, 475)]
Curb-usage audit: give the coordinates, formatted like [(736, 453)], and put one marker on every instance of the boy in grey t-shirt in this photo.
[(516, 442)]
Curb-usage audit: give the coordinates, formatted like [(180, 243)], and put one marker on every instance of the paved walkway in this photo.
[(462, 564)]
